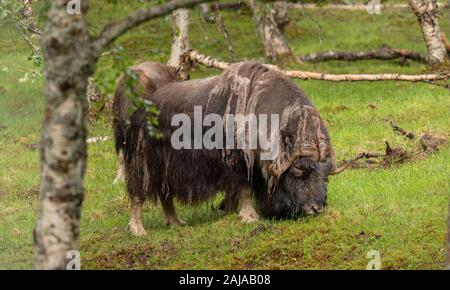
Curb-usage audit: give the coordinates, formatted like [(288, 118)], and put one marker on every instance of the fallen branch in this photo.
[(367, 155), (384, 53), (353, 6), (34, 49), (429, 144), (389, 157), (196, 57), (407, 134)]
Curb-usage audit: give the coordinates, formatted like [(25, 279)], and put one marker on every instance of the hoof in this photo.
[(248, 216), (136, 228), (170, 220), (118, 180)]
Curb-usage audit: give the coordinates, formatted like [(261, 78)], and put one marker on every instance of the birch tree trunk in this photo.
[(427, 15), (68, 64), (275, 44), (70, 55), (180, 30)]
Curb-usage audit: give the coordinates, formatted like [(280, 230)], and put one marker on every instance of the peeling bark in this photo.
[(180, 30), (427, 16), (385, 53), (68, 64), (70, 55), (265, 16)]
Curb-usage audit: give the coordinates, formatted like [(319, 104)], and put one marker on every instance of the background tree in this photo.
[(180, 31), (427, 15), (70, 55), (270, 20)]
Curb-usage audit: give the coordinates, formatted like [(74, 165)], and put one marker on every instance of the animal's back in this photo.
[(192, 175)]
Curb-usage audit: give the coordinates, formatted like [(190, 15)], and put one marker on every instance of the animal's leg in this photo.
[(120, 177), (247, 212), (135, 226), (170, 213)]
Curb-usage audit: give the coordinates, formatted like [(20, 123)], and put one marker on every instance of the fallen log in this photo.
[(384, 53), (353, 6), (196, 57), (401, 131), (429, 143)]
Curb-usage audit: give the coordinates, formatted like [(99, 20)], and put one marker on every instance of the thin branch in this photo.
[(114, 30), (195, 56), (34, 49), (407, 134), (31, 27), (30, 23), (221, 26)]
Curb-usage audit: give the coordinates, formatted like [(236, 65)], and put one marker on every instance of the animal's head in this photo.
[(297, 182)]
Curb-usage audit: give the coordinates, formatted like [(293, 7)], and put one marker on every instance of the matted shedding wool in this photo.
[(154, 168)]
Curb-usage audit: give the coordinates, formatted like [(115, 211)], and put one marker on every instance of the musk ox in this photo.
[(291, 184)]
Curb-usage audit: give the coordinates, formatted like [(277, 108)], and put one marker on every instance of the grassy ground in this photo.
[(400, 212)]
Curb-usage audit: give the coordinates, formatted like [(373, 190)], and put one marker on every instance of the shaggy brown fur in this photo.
[(154, 169), (152, 76)]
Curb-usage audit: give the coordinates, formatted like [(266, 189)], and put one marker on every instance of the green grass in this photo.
[(400, 212)]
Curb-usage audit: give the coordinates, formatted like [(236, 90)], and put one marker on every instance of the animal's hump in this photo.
[(249, 69)]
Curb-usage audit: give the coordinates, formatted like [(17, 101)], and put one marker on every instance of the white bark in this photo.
[(427, 16), (70, 55), (63, 142), (275, 44), (180, 44)]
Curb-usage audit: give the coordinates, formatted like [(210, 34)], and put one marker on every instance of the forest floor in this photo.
[(400, 212)]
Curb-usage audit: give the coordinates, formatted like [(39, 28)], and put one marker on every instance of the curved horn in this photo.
[(284, 166), (336, 171)]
